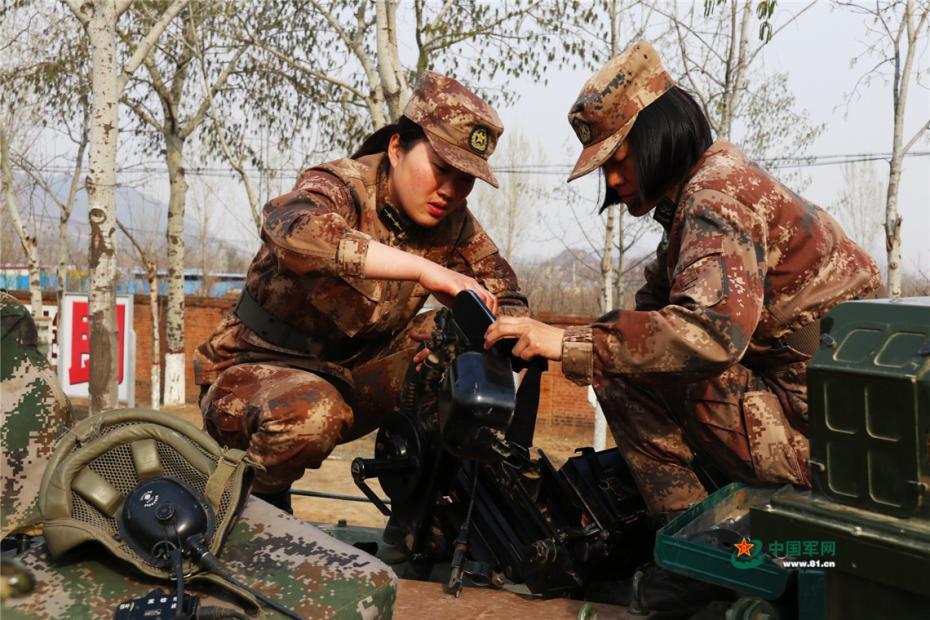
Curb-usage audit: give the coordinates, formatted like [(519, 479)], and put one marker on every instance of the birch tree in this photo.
[(346, 55), (47, 61), (859, 202), (66, 204), (169, 105), (507, 213), (99, 19), (716, 53), (150, 265), (896, 30), (26, 239)]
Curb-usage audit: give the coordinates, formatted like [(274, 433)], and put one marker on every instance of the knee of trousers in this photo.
[(635, 410), (278, 415)]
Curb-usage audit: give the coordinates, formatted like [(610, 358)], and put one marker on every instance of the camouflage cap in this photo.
[(605, 110), (461, 127)]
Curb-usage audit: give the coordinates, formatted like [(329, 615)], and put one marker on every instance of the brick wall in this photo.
[(561, 402)]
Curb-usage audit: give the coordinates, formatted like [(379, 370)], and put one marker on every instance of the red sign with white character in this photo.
[(74, 347)]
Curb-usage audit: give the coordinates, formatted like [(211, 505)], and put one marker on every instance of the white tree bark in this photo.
[(390, 70), (151, 271), (101, 207), (600, 422), (155, 372), (607, 260), (175, 132), (27, 241), (620, 294), (99, 19), (912, 27), (65, 210), (174, 320)]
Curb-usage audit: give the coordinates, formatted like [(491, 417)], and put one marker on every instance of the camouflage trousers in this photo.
[(735, 422), (290, 419)]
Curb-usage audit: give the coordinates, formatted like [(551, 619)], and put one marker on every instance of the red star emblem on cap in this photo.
[(744, 547)]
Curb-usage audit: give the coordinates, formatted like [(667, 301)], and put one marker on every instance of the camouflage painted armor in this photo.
[(289, 409), (35, 412), (702, 366), (285, 558)]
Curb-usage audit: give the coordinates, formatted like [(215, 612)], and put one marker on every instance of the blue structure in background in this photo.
[(135, 283)]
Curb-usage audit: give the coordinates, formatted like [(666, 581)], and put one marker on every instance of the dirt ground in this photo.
[(334, 476)]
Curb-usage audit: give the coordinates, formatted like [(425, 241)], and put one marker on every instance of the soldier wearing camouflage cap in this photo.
[(315, 352), (707, 373)]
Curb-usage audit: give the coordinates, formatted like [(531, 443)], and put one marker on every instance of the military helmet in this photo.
[(110, 457)]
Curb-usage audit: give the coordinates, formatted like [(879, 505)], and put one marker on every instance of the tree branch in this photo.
[(146, 45), (142, 113), (220, 82), (29, 169), (78, 10), (304, 68), (915, 138)]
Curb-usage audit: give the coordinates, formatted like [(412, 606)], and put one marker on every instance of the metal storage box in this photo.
[(869, 402)]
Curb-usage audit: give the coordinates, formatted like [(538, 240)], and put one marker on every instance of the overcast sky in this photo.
[(815, 51)]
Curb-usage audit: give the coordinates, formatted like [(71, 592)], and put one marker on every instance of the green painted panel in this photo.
[(869, 406)]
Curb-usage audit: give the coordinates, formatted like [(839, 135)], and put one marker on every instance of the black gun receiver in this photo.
[(467, 487)]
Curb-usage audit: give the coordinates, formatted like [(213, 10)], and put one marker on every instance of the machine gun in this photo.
[(466, 485)]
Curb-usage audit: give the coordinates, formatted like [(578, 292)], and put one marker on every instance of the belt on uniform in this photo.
[(273, 329), (807, 339)]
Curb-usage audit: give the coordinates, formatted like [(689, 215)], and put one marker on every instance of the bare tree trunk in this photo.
[(902, 76), (174, 345), (735, 66), (101, 200), (27, 241), (65, 213), (155, 378), (607, 262), (99, 19), (389, 68), (620, 294)]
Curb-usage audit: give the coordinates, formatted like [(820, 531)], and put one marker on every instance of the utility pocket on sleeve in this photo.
[(704, 282), (773, 453)]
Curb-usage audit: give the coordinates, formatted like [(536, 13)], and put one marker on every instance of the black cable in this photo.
[(177, 558), (202, 555), (219, 613)]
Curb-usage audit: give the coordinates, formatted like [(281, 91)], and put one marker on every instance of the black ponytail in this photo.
[(410, 134)]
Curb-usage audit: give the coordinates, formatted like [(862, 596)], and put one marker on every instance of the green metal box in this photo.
[(693, 544), (879, 564), (869, 406)]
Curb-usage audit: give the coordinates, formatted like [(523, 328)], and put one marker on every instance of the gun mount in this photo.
[(466, 485)]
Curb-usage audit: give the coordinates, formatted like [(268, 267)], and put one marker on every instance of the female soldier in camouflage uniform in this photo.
[(316, 349), (711, 364)]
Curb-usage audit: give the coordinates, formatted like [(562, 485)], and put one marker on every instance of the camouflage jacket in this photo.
[(35, 412), (308, 270), (744, 262)]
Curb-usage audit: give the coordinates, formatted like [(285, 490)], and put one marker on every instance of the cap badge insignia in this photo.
[(582, 130), (478, 140)]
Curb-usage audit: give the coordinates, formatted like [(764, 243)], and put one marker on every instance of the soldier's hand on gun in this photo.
[(423, 353), (534, 339), (445, 284)]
